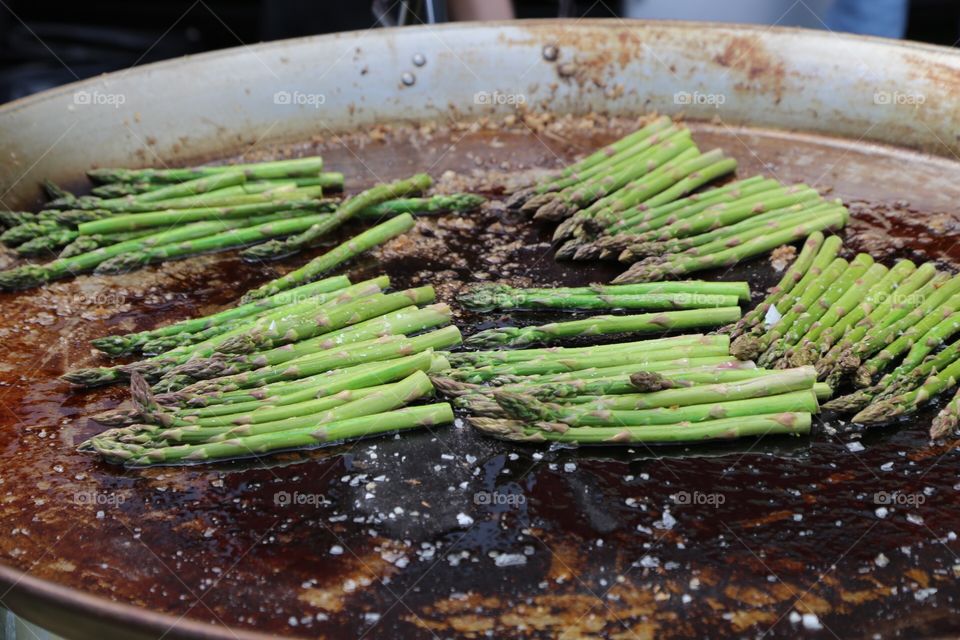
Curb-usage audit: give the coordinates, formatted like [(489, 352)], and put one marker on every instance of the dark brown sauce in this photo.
[(782, 524)]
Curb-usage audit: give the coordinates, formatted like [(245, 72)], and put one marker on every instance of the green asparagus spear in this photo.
[(604, 325), (347, 210), (336, 256)]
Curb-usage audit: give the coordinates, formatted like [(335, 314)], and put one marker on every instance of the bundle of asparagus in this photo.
[(633, 201), (659, 160), (212, 209), (669, 390), (360, 413), (861, 322), (296, 369)]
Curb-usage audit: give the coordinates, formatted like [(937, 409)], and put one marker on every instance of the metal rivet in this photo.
[(551, 52), (419, 59), (408, 78)]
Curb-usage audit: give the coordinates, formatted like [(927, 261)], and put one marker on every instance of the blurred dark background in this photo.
[(46, 43)]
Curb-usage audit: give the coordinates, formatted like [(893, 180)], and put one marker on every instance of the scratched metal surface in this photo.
[(399, 538)]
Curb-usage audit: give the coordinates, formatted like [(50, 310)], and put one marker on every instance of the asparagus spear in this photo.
[(85, 244), (10, 219), (190, 187), (47, 243), (604, 325), (228, 197), (768, 424), (252, 171), (365, 426), (670, 367), (539, 366), (336, 256), (119, 189), (782, 381), (647, 301), (485, 358), (488, 296), (167, 218), (675, 366), (569, 390), (945, 423), (529, 409), (347, 210), (440, 203), (27, 231)]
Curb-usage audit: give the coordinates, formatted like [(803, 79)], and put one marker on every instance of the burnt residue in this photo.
[(444, 533)]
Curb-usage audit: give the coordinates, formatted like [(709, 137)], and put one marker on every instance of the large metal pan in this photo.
[(720, 542)]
